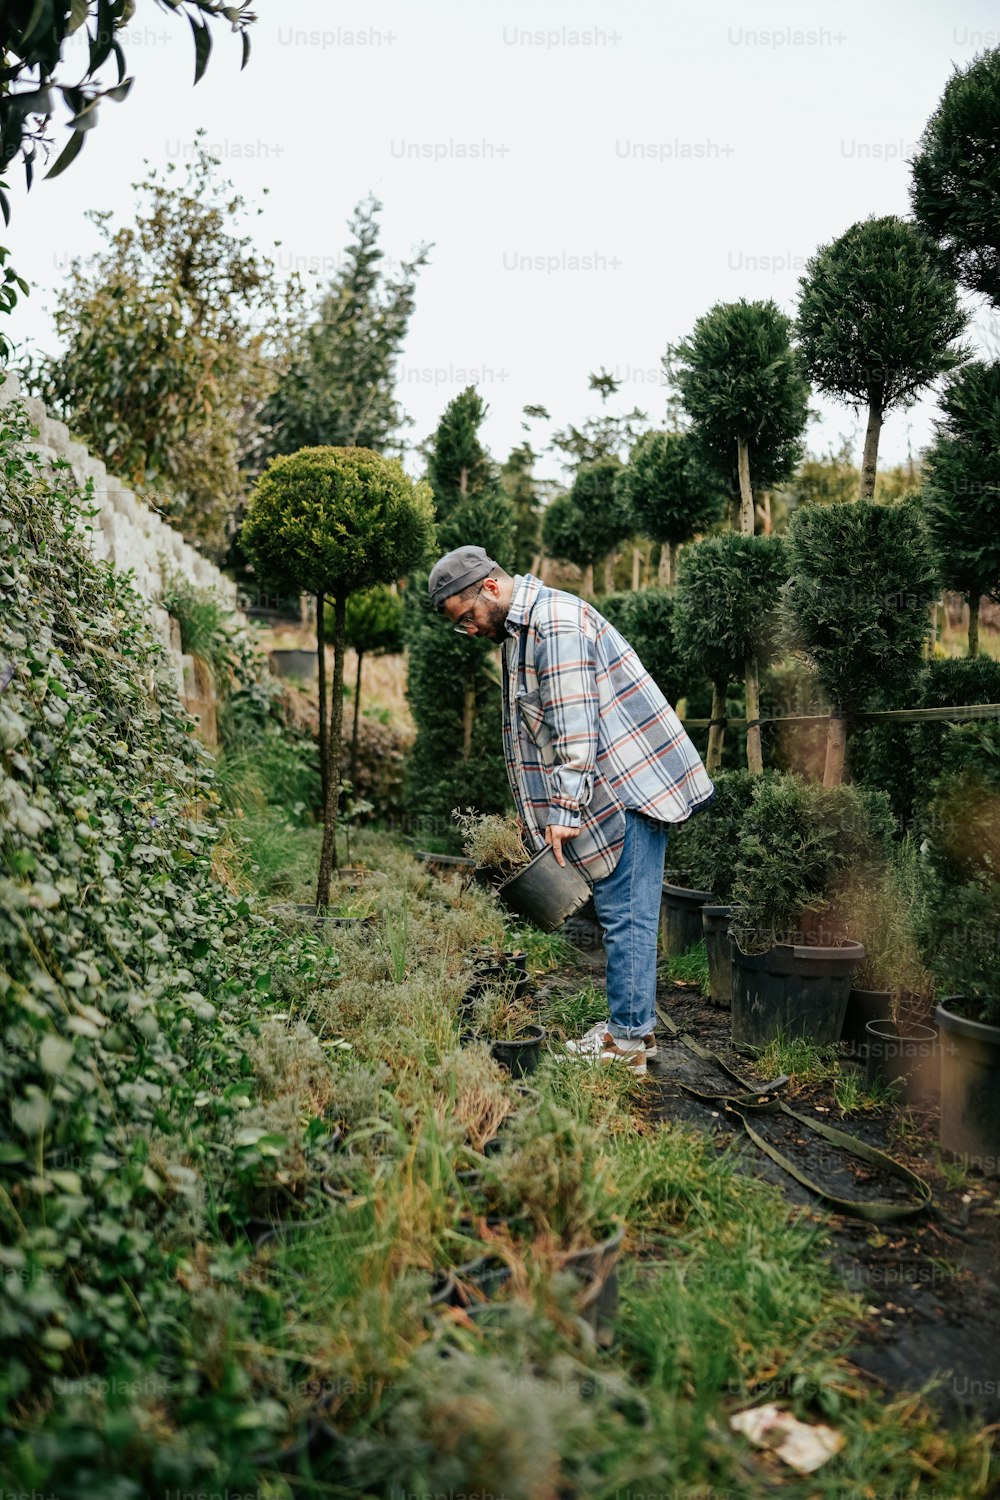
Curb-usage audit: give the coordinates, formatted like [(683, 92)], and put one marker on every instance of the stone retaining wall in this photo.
[(132, 536)]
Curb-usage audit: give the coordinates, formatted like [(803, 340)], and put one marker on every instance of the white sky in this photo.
[(762, 132)]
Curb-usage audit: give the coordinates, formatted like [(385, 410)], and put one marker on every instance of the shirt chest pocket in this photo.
[(529, 706)]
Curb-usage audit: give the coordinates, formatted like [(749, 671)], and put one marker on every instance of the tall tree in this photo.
[(741, 387), (961, 488), (331, 521), (669, 494), (955, 190), (166, 339), (520, 487), (878, 320), (453, 682), (339, 370)]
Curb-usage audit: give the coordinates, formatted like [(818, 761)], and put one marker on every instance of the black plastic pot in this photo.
[(546, 892), (476, 1281), (597, 1269), (719, 947), (520, 1057), (970, 1088), (862, 1006), (908, 1053), (792, 991), (445, 864), (680, 916)]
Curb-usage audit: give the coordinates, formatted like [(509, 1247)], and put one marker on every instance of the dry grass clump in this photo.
[(492, 840)]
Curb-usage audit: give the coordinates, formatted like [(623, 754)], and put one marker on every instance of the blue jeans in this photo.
[(628, 907)]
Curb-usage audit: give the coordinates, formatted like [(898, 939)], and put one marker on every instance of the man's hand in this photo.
[(556, 835)]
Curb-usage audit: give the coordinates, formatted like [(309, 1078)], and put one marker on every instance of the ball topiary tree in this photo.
[(373, 626), (955, 191), (589, 522), (645, 617), (878, 319), (856, 602), (669, 494), (740, 384), (728, 593), (960, 493), (331, 521)]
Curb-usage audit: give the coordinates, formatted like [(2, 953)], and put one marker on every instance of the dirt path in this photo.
[(931, 1283)]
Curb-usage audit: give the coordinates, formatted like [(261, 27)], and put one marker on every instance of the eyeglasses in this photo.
[(467, 619)]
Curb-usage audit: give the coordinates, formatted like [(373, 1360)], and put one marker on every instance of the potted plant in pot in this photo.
[(706, 845), (493, 841), (794, 959), (508, 1025), (961, 933)]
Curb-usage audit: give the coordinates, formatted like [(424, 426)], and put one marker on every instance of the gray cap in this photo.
[(456, 571)]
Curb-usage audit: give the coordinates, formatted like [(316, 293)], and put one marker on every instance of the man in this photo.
[(599, 764)]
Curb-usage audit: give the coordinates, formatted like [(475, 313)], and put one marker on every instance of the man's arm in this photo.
[(566, 667)]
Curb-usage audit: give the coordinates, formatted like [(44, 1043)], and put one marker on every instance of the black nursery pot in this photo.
[(792, 990), (520, 1056), (970, 1088), (597, 1269), (907, 1052), (862, 1006), (680, 917), (719, 947)]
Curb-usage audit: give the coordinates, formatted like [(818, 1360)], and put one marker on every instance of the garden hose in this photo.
[(752, 1099)]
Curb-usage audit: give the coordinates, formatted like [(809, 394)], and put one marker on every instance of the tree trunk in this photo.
[(636, 568), (587, 583), (763, 510), (321, 669), (746, 493), (973, 624), (665, 576), (609, 572), (357, 718), (647, 554), (836, 750), (468, 716), (755, 758), (869, 462), (717, 728), (328, 853)]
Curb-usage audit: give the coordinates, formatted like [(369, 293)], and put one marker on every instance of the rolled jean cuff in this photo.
[(629, 1033)]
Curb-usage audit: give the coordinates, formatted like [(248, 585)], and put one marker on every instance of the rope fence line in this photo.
[(960, 713)]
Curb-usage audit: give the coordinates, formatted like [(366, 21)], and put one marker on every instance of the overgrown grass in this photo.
[(689, 968)]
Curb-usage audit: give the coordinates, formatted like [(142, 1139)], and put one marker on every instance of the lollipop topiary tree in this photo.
[(328, 522), (861, 580), (373, 626), (589, 522), (728, 592), (955, 190), (740, 384), (878, 319), (961, 488), (669, 494)]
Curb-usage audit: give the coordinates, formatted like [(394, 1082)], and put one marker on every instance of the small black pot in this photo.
[(908, 1052), (520, 1056), (862, 1006), (680, 917), (597, 1268), (970, 1088)]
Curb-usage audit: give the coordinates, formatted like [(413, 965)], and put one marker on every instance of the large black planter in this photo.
[(905, 1053), (680, 917), (970, 1089), (792, 991), (546, 892), (719, 947), (862, 1006)]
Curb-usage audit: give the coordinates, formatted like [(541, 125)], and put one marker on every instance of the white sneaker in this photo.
[(592, 1041), (598, 1045)]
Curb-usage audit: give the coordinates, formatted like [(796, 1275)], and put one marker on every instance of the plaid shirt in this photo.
[(587, 733)]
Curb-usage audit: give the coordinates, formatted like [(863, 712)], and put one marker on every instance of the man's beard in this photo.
[(497, 615)]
